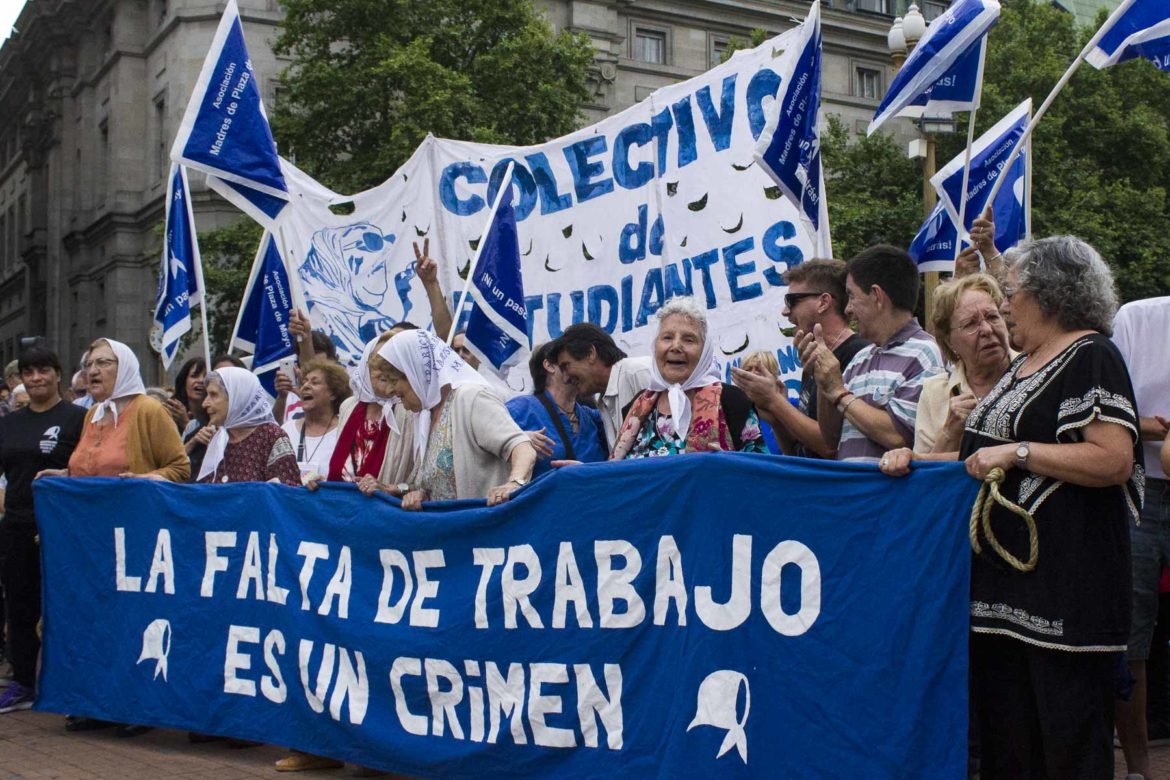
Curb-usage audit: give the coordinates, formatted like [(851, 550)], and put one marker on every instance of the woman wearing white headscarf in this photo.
[(248, 445), (126, 433), (465, 444), (687, 408)]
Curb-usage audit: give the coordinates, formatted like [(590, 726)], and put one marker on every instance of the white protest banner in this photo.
[(659, 200)]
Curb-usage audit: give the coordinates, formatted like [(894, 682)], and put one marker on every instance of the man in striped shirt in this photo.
[(869, 408)]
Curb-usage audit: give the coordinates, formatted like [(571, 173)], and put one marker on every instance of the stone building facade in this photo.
[(92, 92)]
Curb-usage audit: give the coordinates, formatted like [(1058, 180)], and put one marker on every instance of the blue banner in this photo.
[(730, 614), (790, 146), (224, 129), (262, 325), (180, 279), (497, 328), (956, 90), (1137, 28), (951, 36)]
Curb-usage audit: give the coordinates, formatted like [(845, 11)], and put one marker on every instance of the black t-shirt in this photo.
[(808, 383), (29, 442)]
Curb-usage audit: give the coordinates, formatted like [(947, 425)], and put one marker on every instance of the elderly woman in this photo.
[(573, 430), (1062, 424), (324, 387), (765, 365), (126, 433), (973, 338), (687, 408), (465, 444), (248, 445)]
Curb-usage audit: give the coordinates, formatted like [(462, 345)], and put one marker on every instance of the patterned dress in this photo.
[(265, 454), (1078, 597), (436, 473)]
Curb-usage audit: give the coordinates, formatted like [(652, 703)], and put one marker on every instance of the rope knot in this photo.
[(981, 519)]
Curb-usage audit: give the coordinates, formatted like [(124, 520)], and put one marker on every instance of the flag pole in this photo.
[(206, 332), (959, 228), (1027, 195), (1056, 90), (506, 182)]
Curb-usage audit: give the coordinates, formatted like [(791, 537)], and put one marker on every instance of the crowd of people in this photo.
[(1030, 376)]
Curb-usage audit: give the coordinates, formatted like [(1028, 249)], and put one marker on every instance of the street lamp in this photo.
[(903, 36)]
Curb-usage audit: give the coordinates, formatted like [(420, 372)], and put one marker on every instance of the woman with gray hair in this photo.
[(1050, 591), (687, 407)]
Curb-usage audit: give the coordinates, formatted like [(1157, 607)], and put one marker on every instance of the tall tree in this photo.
[(1101, 155), (370, 79)]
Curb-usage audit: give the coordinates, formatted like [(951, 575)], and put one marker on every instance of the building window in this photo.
[(718, 50), (867, 83), (873, 6), (161, 152), (650, 46), (101, 180), (932, 9)]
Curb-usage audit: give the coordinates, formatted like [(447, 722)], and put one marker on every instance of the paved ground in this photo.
[(36, 745)]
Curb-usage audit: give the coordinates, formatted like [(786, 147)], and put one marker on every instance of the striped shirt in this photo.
[(889, 377)]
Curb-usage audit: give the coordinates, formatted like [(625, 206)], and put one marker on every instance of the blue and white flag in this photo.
[(933, 249), (789, 149), (262, 325), (225, 131), (950, 37), (1138, 28), (957, 90), (989, 153), (180, 279), (497, 328)]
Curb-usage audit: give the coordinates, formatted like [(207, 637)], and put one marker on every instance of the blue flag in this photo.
[(560, 635), (789, 149), (497, 328), (933, 249), (957, 90), (224, 130), (180, 279), (950, 37), (1137, 28), (988, 154), (262, 324)]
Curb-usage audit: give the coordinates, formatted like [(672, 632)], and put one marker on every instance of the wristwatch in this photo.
[(1022, 452), (519, 481), (403, 488)]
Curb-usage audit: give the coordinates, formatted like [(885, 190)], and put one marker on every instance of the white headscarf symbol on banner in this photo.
[(128, 383), (706, 372), (363, 390), (248, 406), (428, 364)]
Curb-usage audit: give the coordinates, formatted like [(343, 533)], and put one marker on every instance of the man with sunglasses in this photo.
[(816, 296)]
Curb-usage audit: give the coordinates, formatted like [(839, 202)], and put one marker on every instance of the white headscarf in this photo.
[(248, 405), (363, 388), (129, 381), (706, 373), (428, 364)]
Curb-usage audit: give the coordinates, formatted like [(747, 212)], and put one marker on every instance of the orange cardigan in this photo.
[(153, 445)]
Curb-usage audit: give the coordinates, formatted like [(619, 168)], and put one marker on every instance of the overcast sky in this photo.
[(9, 10)]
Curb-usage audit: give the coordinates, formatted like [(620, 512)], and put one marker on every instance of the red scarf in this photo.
[(349, 444)]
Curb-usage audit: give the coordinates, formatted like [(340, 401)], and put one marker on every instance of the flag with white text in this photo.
[(1136, 29), (262, 324), (789, 149), (180, 280), (225, 131)]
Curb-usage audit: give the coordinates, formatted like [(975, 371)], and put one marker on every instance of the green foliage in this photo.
[(755, 38), (227, 258), (1101, 154), (875, 191), (370, 79)]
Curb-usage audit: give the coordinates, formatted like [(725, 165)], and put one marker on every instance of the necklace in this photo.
[(320, 441), (845, 333)]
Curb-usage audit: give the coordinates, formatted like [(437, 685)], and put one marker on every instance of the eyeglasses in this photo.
[(100, 363), (1009, 292), (971, 327), (791, 299)]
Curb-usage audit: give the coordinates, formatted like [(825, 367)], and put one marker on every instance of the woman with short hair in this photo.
[(1061, 425), (465, 444), (687, 407), (324, 387), (248, 445)]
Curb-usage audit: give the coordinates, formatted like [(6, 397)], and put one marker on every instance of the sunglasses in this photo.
[(369, 242), (791, 299)]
